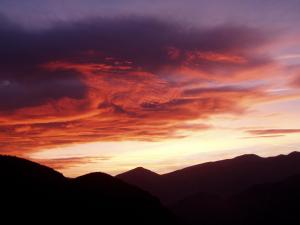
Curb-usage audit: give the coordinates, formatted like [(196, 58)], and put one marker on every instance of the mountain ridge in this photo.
[(247, 156), (262, 191), (223, 177)]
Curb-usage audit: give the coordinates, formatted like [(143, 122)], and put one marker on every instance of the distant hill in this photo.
[(222, 178), (140, 175), (35, 194), (145, 179), (268, 204)]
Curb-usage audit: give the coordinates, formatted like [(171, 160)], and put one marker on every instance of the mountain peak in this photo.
[(140, 168), (294, 153), (139, 176), (139, 171), (143, 170), (95, 177), (248, 157)]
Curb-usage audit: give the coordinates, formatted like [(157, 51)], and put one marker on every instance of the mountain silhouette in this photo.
[(246, 190), (140, 175), (268, 204), (145, 179), (203, 208), (222, 178), (36, 194)]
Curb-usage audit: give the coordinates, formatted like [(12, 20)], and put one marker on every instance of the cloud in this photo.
[(18, 93), (273, 132), (296, 81), (67, 162), (264, 136), (122, 79)]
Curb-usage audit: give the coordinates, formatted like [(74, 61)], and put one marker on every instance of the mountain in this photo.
[(222, 178), (268, 204), (246, 190), (202, 208), (139, 175), (38, 194), (143, 178)]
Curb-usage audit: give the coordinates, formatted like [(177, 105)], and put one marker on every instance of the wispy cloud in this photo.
[(273, 132), (68, 162)]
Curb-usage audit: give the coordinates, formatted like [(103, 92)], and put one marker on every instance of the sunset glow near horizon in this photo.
[(112, 85)]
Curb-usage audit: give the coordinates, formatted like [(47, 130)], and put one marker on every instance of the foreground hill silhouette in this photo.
[(37, 194), (225, 177)]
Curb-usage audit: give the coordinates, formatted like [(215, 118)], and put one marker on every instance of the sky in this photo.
[(112, 85)]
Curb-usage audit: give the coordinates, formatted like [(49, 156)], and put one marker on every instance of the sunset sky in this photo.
[(164, 84)]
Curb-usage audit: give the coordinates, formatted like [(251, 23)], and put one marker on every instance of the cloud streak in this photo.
[(273, 132), (68, 162)]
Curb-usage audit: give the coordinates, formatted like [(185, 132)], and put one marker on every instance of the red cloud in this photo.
[(124, 105), (123, 80), (296, 81)]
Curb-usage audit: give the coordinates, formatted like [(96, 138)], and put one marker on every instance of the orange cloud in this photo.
[(68, 162), (216, 57), (130, 105), (104, 81)]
